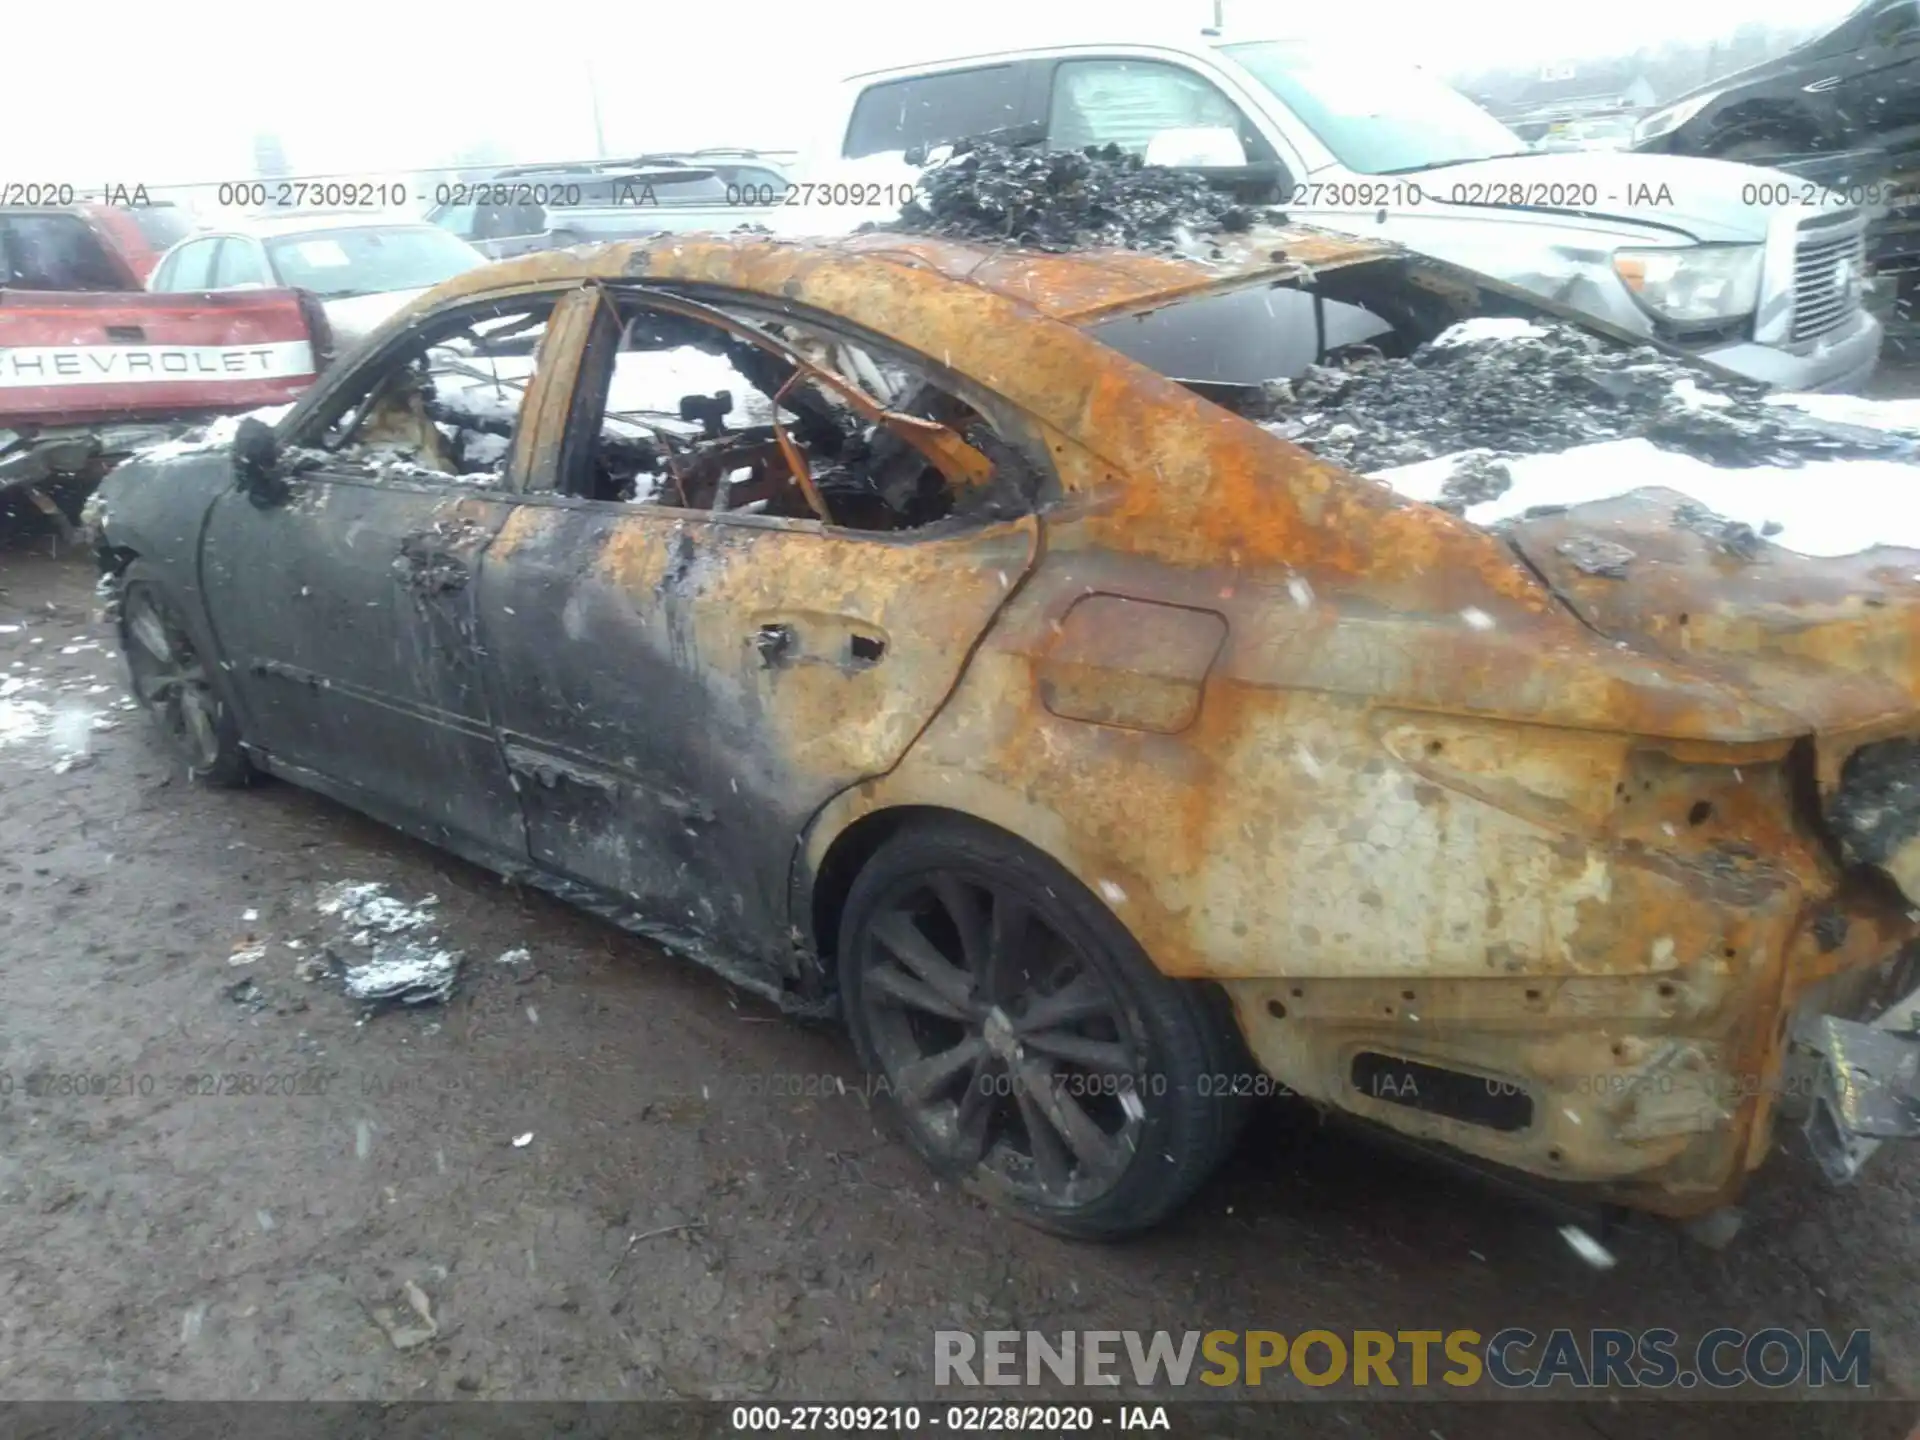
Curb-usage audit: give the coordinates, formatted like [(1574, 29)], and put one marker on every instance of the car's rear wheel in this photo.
[(1022, 1039), (186, 700)]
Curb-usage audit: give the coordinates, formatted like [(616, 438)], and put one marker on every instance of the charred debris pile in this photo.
[(1510, 389), (1070, 200)]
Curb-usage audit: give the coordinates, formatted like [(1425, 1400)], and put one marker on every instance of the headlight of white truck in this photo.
[(1693, 284), (1670, 119)]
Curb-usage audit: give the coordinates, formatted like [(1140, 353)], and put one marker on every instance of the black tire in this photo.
[(186, 697), (988, 1094)]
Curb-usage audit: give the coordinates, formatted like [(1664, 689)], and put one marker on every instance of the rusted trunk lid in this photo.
[(1822, 645)]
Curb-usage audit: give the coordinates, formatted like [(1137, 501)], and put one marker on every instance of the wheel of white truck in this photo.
[(1022, 1040), (185, 700)]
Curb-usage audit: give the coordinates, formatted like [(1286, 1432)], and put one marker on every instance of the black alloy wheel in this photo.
[(173, 684), (1021, 1038)]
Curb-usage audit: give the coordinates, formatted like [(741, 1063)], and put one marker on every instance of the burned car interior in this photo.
[(683, 405), (812, 427), (447, 404)]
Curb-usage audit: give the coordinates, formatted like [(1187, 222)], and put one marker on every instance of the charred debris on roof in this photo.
[(1543, 388), (1071, 200)]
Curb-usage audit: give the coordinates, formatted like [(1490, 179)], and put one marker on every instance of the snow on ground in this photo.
[(21, 718), (1825, 507), (1899, 415)]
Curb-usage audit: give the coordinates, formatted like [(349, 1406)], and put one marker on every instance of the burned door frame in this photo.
[(681, 691), (346, 613)]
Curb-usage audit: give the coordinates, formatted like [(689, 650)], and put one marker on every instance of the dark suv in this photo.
[(1843, 112), (1858, 84)]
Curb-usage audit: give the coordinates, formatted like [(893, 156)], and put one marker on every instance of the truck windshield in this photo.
[(1377, 118)]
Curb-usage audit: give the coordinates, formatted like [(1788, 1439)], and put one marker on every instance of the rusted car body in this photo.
[(1529, 863)]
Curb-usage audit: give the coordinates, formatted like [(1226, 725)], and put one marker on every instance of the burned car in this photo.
[(856, 618)]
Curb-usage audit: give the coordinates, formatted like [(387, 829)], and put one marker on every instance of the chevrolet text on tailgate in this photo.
[(1682, 250), (92, 356), (92, 366)]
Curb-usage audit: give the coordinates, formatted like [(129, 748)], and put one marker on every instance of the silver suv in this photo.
[(549, 207)]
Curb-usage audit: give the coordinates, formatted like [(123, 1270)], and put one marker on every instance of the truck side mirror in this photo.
[(1218, 155), (256, 463), (1212, 147)]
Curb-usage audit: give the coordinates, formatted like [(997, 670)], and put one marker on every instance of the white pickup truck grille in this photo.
[(1827, 271)]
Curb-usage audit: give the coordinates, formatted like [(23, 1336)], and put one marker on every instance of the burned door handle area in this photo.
[(551, 771), (429, 570), (775, 644)]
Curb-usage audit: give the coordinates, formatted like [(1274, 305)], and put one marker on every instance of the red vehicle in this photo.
[(88, 246), (92, 367)]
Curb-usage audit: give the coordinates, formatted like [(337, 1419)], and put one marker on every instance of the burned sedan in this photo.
[(855, 618)]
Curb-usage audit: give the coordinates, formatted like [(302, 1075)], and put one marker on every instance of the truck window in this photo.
[(56, 252), (936, 109), (1378, 118), (1128, 102)]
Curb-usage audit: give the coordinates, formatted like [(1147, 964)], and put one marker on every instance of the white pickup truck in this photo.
[(1705, 255)]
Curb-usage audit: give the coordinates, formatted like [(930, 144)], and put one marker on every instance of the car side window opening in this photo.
[(192, 266), (239, 263), (446, 406), (1128, 102), (746, 416)]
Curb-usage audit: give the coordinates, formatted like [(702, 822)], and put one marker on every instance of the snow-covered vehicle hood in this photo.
[(1710, 200)]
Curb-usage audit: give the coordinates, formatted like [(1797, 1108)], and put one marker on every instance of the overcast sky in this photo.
[(174, 93)]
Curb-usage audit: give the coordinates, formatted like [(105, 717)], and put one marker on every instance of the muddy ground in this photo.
[(670, 1229)]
